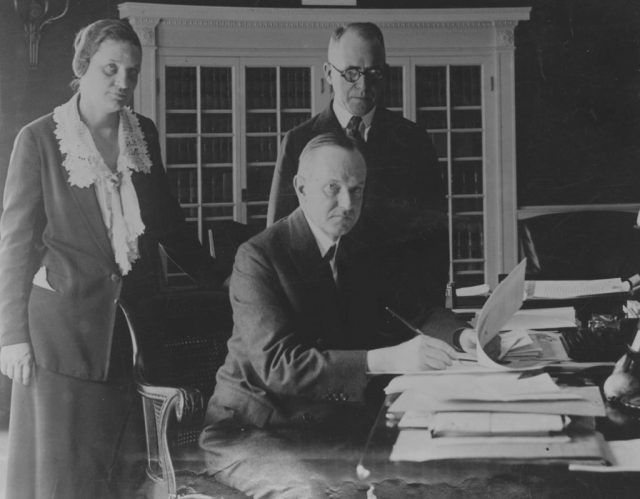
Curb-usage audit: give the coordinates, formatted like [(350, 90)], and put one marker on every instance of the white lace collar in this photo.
[(81, 158), (115, 191)]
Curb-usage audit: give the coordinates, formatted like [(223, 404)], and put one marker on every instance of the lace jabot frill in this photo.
[(115, 191)]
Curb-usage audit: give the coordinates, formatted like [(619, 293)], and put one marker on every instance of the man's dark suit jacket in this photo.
[(298, 350), (403, 218), (403, 176)]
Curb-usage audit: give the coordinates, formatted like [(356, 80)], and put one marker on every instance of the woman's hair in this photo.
[(89, 38)]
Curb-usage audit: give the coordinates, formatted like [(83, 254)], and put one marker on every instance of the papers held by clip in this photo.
[(470, 424)]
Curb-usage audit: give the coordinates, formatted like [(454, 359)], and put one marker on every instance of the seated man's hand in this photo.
[(468, 343), (422, 353)]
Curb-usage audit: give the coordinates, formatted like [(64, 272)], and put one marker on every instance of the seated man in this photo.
[(288, 416), (403, 218)]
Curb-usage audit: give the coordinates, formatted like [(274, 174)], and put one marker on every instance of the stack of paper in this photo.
[(475, 424), (487, 408), (418, 445), (496, 415), (497, 392), (518, 344)]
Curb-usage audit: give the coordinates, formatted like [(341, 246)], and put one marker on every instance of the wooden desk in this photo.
[(463, 479)]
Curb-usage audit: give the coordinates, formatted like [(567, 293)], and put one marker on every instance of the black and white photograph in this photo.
[(320, 249)]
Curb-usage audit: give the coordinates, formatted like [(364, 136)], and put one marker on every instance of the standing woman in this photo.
[(86, 203)]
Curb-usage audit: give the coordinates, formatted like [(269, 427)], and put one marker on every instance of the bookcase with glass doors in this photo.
[(225, 84)]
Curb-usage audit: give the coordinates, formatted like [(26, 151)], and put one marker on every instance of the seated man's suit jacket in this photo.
[(402, 219), (298, 348)]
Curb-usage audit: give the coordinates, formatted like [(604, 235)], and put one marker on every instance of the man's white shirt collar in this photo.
[(324, 242), (344, 116)]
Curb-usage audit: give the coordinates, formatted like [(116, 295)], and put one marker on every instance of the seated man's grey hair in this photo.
[(323, 140)]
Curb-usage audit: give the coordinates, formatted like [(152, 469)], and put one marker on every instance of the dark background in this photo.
[(577, 82)]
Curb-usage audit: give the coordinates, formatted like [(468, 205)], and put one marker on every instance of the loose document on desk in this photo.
[(563, 290), (624, 456), (503, 303)]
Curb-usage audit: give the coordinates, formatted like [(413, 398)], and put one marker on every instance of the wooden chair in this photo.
[(179, 344)]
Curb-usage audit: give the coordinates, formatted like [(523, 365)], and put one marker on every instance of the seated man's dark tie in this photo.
[(329, 257), (335, 257), (353, 129)]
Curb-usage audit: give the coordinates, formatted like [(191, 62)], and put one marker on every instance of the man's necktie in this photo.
[(353, 129), (329, 257)]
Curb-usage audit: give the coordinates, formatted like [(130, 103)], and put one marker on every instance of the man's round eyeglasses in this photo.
[(353, 74)]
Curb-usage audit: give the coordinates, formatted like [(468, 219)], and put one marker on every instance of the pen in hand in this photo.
[(415, 329), (404, 321)]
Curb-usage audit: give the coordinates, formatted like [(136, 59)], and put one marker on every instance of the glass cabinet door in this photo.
[(276, 100), (224, 125), (449, 106), (199, 140), (447, 100), (394, 92), (199, 147)]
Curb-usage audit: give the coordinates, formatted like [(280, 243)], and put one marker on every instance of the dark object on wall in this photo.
[(35, 16), (578, 102), (580, 245)]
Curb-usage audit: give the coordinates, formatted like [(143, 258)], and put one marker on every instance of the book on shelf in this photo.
[(227, 186)]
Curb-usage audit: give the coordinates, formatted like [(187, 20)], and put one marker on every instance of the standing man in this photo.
[(403, 174), (402, 218), (288, 416)]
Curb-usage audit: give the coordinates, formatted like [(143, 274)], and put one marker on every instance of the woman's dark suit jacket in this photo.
[(47, 222)]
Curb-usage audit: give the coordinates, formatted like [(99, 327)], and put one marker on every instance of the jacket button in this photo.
[(115, 277)]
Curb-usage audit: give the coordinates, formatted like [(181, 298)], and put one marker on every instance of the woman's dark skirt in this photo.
[(76, 439)]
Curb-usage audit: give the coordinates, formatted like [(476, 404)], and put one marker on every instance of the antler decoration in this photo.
[(35, 16)]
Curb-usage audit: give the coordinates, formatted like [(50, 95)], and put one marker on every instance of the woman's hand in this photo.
[(16, 362)]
